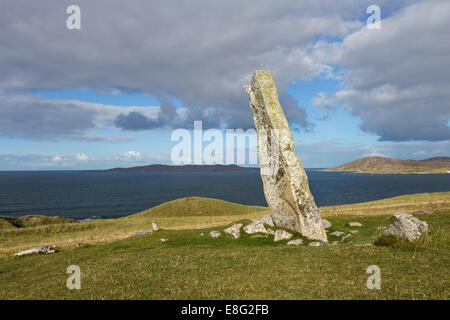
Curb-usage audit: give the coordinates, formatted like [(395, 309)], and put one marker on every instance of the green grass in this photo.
[(191, 266)]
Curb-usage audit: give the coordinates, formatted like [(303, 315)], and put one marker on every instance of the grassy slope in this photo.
[(191, 266), (383, 165)]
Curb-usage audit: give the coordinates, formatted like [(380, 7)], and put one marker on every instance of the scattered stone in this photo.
[(354, 231), (201, 227), (268, 220), (155, 226), (295, 242), (137, 234), (259, 236), (337, 233), (326, 224), (255, 227), (381, 228), (214, 234), (40, 249), (422, 212), (164, 239), (282, 235), (202, 234), (82, 245), (355, 224), (315, 244), (345, 237), (270, 231), (406, 226), (284, 180), (234, 230)]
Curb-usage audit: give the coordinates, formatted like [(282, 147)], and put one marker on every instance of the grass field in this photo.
[(191, 266)]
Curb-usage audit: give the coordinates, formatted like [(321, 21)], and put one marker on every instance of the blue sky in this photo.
[(107, 97)]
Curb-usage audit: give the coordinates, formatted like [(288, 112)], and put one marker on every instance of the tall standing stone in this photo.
[(285, 182)]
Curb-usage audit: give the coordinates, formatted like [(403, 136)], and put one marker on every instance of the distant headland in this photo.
[(383, 165), (182, 168)]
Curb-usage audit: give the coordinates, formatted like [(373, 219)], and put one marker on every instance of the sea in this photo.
[(90, 195)]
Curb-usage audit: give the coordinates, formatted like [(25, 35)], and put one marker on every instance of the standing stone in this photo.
[(285, 182), (406, 226)]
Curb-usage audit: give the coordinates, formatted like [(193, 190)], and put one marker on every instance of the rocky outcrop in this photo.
[(234, 230), (285, 182), (255, 227), (40, 249), (406, 226)]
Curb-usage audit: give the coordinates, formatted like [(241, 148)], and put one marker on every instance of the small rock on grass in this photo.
[(337, 233), (295, 242), (406, 226), (315, 244), (214, 234), (155, 226), (355, 224), (353, 231), (40, 249), (255, 227), (268, 220), (422, 212), (326, 224), (164, 240), (234, 230), (137, 234), (201, 227), (282, 235), (346, 237)]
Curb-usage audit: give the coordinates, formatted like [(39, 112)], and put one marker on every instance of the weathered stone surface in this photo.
[(406, 226), (155, 226), (270, 231), (355, 224), (337, 233), (268, 220), (40, 249), (285, 182), (296, 242), (326, 224), (282, 235), (255, 227), (137, 234), (234, 230), (214, 234), (315, 244)]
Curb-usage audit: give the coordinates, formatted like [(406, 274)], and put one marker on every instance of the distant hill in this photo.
[(184, 168), (382, 165)]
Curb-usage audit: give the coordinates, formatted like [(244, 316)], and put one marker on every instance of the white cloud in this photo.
[(81, 157), (396, 79)]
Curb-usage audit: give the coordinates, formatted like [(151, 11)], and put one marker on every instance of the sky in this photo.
[(112, 93)]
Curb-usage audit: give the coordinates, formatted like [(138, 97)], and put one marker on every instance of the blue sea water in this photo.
[(82, 195)]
